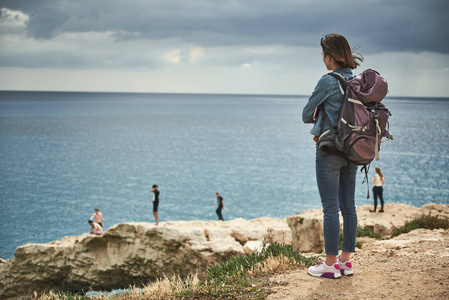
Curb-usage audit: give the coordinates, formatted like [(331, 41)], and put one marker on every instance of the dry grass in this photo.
[(175, 287), (241, 277), (164, 288), (272, 265), (58, 296), (170, 288)]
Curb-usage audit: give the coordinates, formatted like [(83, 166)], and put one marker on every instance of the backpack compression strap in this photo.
[(378, 132)]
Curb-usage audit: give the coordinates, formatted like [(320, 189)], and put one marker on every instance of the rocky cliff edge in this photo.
[(132, 254), (135, 253)]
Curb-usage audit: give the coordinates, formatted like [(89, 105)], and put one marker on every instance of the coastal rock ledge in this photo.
[(307, 227), (132, 254)]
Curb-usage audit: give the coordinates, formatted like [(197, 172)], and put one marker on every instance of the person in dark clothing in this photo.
[(156, 193), (220, 206), (378, 183)]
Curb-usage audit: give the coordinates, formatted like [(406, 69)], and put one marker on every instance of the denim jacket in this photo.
[(326, 92)]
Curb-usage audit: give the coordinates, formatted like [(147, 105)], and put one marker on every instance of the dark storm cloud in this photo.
[(379, 26)]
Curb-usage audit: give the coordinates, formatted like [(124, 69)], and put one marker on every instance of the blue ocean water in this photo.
[(63, 154)]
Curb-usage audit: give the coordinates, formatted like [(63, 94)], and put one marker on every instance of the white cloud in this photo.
[(179, 56), (196, 54), (12, 21), (173, 56)]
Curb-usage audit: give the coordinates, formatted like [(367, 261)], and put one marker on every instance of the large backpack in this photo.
[(363, 119)]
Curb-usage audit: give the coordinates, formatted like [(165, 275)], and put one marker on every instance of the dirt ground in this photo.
[(410, 266)]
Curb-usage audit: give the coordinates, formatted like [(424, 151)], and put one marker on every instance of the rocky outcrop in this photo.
[(132, 254), (136, 253), (307, 227)]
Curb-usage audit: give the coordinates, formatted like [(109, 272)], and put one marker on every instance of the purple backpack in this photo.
[(363, 119)]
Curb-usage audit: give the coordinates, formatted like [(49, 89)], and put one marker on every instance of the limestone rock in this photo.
[(307, 227), (253, 247), (307, 233), (131, 254)]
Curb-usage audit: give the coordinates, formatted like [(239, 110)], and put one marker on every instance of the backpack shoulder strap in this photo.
[(342, 81)]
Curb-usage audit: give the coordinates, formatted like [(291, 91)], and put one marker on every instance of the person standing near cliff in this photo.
[(156, 193), (335, 176), (220, 206), (98, 217), (378, 182)]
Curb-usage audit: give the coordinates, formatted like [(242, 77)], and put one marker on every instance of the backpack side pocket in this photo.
[(326, 141)]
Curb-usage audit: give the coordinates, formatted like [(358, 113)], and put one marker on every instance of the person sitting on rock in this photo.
[(96, 228)]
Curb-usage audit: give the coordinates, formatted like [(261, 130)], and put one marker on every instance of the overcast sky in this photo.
[(218, 46)]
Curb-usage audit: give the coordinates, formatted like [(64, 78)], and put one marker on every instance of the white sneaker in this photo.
[(323, 270), (345, 267)]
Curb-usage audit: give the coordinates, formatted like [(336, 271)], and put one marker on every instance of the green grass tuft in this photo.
[(240, 265), (423, 221), (368, 231)]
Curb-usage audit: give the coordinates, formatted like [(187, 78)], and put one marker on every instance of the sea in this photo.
[(63, 154)]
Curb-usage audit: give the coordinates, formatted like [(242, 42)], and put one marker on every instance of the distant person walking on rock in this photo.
[(336, 177), (95, 228), (378, 190), (156, 193), (98, 217), (220, 206)]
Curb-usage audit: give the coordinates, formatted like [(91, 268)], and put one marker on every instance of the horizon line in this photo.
[(205, 93)]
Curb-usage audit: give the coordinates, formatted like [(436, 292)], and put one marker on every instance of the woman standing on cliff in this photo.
[(378, 182), (156, 193), (336, 183)]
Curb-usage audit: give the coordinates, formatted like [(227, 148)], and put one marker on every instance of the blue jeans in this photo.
[(337, 189)]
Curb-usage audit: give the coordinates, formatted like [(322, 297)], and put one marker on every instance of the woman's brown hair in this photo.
[(337, 47), (379, 171)]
